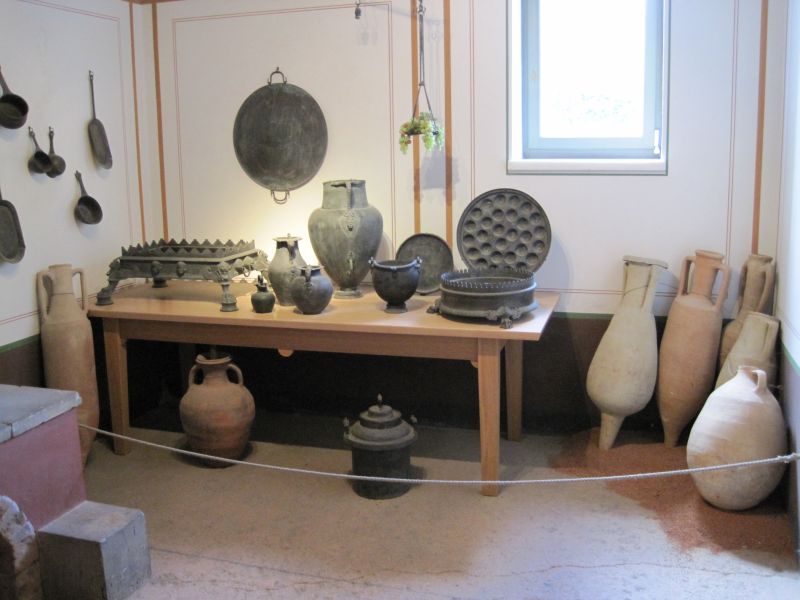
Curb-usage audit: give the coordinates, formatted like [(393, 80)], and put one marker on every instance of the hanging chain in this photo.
[(422, 87)]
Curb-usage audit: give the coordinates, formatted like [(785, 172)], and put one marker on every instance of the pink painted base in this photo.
[(41, 469)]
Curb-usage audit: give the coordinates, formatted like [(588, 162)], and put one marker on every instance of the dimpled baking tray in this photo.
[(504, 228)]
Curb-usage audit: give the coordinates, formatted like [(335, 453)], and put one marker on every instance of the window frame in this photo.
[(517, 163)]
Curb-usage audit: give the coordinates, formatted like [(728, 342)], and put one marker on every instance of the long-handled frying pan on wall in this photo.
[(87, 209), (12, 246), (280, 137), (59, 164), (13, 108), (97, 135)]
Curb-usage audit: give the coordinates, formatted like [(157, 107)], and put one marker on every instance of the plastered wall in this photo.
[(213, 54), (46, 52)]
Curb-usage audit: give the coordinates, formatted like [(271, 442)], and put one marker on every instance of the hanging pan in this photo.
[(13, 109), (59, 165), (12, 246), (87, 210), (39, 162), (97, 135), (280, 137)]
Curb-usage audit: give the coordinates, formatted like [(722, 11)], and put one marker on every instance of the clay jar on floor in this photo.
[(741, 421), (755, 347), (217, 413), (756, 285), (687, 358), (67, 346), (622, 374)]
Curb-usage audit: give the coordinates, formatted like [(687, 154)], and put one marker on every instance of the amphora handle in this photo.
[(44, 298), (238, 371), (761, 380), (41, 295), (193, 375), (769, 281), (723, 288), (84, 303)]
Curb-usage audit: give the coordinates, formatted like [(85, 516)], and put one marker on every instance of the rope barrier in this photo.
[(786, 459)]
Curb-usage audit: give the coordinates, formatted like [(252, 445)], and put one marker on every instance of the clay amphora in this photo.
[(741, 421), (216, 413), (755, 347), (687, 359), (756, 284), (67, 346), (285, 267), (311, 291), (345, 233), (623, 371)]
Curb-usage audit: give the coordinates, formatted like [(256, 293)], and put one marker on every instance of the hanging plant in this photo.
[(427, 127), (423, 124)]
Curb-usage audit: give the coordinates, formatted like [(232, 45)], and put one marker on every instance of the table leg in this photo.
[(117, 372), (514, 389), (489, 408)]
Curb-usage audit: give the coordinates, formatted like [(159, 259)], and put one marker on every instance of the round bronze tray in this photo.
[(494, 294), (437, 258), (504, 228)]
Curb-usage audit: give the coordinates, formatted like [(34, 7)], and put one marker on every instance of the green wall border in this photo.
[(19, 343)]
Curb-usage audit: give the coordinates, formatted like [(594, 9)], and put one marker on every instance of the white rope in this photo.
[(786, 459)]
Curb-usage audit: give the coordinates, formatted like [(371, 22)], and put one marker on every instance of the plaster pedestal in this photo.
[(40, 455)]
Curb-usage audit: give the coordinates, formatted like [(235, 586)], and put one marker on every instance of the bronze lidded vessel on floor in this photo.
[(381, 444)]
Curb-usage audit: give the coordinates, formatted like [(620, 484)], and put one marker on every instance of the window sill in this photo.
[(587, 166)]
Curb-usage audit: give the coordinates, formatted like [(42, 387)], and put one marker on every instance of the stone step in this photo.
[(94, 552)]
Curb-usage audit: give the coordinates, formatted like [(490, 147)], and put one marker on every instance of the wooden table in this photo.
[(188, 312)]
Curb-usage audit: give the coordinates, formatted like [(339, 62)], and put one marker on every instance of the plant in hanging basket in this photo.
[(425, 126)]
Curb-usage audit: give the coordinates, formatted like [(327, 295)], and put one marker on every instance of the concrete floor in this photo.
[(244, 533)]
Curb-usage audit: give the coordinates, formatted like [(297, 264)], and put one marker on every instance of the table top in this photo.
[(198, 302)]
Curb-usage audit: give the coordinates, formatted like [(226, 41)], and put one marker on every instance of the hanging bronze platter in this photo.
[(280, 137)]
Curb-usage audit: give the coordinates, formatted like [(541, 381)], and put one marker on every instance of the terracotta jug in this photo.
[(622, 374), (756, 285), (755, 347), (67, 346), (687, 359), (741, 421), (345, 232), (285, 267), (216, 413)]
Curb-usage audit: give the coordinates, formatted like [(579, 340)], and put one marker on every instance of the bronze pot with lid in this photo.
[(381, 445)]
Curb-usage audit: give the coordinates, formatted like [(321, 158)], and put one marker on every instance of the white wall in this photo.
[(784, 183), (213, 54), (47, 50)]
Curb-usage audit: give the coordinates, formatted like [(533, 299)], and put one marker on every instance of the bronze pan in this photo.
[(98, 139), (12, 246), (280, 137), (13, 108), (87, 209)]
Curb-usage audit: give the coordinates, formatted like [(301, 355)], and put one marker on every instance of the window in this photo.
[(588, 86)]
